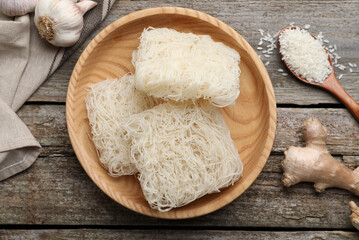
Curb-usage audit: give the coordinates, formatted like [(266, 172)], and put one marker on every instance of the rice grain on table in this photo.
[(268, 49)]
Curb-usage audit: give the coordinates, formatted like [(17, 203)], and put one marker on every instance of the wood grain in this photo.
[(172, 234), (243, 17), (252, 121), (56, 191), (332, 85)]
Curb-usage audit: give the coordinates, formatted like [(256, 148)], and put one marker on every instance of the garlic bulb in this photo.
[(17, 7), (60, 21)]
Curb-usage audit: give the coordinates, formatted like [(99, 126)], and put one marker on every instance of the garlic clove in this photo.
[(60, 22), (86, 5), (17, 7)]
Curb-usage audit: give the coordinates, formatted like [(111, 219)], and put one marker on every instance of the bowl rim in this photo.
[(272, 108)]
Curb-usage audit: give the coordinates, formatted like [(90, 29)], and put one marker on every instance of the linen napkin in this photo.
[(26, 61)]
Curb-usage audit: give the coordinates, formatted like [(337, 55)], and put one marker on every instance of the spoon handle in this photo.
[(333, 86)]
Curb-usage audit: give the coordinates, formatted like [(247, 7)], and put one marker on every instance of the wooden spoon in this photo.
[(330, 84)]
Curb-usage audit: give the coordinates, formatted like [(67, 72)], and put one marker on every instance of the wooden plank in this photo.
[(171, 234), (343, 129), (48, 124), (247, 17), (56, 190)]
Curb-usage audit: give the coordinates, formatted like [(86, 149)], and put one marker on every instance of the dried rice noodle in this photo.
[(108, 103), (182, 151), (185, 66)]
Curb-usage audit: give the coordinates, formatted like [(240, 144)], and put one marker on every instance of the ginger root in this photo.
[(354, 217), (313, 163)]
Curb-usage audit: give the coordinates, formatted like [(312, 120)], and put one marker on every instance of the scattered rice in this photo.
[(340, 66), (320, 36), (337, 56), (271, 40)]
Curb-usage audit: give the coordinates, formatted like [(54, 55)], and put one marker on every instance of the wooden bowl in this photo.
[(252, 121)]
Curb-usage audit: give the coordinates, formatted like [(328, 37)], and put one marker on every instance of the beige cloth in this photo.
[(26, 61)]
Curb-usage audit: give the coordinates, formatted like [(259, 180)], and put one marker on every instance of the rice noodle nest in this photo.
[(183, 66), (182, 151), (108, 103)]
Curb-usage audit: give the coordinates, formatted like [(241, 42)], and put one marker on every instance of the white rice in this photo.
[(268, 49), (304, 55)]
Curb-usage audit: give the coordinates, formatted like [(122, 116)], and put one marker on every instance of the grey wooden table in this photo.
[(55, 199)]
